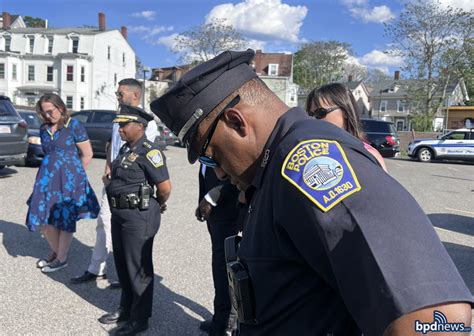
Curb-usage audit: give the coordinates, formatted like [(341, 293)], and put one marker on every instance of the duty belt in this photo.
[(125, 201)]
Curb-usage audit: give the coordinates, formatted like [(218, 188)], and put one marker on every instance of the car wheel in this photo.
[(425, 154)]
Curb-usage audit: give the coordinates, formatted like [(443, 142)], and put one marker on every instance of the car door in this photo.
[(453, 145), (100, 130)]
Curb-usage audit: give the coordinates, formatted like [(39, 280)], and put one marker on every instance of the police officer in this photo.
[(136, 211), (331, 245)]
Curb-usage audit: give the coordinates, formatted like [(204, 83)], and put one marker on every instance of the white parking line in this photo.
[(462, 211)]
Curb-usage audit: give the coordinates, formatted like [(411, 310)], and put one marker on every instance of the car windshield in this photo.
[(32, 119)]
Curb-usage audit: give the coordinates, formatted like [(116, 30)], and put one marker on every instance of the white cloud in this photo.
[(467, 5), (378, 14), (148, 33), (360, 9), (379, 59), (147, 15), (168, 41), (263, 19)]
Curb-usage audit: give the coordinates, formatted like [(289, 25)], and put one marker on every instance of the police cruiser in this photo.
[(455, 145)]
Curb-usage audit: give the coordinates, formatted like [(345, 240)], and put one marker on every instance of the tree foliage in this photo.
[(319, 63), (432, 40), (34, 22), (375, 75), (206, 41)]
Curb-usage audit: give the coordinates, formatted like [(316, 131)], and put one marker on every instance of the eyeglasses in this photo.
[(119, 94), (203, 158), (321, 112)]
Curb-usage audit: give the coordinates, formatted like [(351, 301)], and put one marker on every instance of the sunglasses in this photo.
[(119, 94), (203, 158), (321, 112)]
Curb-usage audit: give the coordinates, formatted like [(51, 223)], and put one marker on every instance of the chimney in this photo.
[(258, 61), (101, 21), (396, 75), (350, 78), (123, 30), (7, 20)]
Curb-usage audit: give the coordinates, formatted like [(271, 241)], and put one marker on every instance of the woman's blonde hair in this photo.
[(58, 103)]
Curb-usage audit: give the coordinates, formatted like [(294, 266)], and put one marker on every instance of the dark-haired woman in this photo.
[(61, 194), (336, 104)]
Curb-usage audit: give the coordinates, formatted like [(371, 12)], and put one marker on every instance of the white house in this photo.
[(82, 65)]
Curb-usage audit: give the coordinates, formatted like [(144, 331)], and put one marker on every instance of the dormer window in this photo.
[(31, 44), (75, 45), (393, 88), (272, 69)]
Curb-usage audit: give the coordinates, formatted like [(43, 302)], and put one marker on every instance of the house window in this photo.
[(108, 53), (31, 73), (8, 42), (14, 72), (2, 70), (115, 79), (31, 100), (31, 44), (49, 74), (273, 69), (70, 73), (400, 107), (400, 125), (383, 106), (83, 74), (69, 102), (123, 59), (75, 45), (50, 44), (82, 103)]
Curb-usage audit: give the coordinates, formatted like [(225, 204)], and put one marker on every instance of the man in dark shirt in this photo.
[(218, 206), (324, 253)]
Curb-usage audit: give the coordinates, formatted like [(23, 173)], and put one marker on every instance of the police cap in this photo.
[(199, 91), (129, 113)]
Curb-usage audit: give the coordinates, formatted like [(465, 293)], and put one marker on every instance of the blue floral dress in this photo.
[(62, 194)]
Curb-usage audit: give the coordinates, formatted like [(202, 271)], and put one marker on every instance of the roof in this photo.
[(59, 31), (352, 85), (381, 88)]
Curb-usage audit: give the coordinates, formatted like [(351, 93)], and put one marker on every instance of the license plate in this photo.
[(5, 129)]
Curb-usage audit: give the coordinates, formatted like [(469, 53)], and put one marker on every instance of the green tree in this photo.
[(34, 22), (206, 41), (424, 33), (319, 63)]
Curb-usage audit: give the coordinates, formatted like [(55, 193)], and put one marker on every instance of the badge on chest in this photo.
[(320, 170), (129, 159)]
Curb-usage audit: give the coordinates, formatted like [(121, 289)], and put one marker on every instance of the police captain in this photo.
[(332, 245), (136, 209)]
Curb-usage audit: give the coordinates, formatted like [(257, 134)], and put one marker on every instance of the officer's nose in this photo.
[(221, 174)]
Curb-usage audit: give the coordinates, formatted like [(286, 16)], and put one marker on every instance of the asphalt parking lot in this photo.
[(37, 304)]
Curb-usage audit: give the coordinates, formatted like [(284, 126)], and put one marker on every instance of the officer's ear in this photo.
[(236, 120)]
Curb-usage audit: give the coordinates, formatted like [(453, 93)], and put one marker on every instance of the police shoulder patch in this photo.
[(155, 157), (320, 170)]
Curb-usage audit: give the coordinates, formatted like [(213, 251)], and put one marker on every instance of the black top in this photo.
[(134, 166), (333, 244)]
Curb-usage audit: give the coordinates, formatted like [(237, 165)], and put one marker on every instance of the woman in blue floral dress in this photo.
[(62, 194)]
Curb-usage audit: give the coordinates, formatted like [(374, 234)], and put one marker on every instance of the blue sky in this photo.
[(271, 25)]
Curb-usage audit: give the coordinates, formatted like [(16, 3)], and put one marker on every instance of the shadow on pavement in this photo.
[(7, 172), (463, 256), (452, 222), (173, 314)]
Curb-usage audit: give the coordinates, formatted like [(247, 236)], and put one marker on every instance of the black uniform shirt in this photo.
[(134, 166), (333, 244)]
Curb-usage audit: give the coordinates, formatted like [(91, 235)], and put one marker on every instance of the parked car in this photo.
[(98, 124), (455, 145), (35, 152), (13, 135), (383, 136), (170, 138)]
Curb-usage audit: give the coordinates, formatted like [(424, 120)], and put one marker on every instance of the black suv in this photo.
[(13, 135), (383, 136)]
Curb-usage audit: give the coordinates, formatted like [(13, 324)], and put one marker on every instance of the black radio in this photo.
[(240, 286), (144, 194)]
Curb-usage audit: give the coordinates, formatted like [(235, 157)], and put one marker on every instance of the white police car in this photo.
[(455, 145)]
